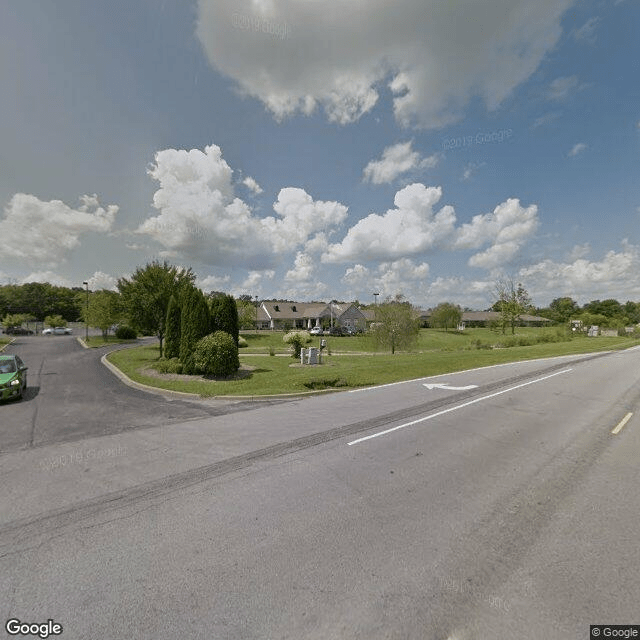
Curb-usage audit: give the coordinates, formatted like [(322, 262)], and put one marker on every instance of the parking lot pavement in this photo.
[(71, 395)]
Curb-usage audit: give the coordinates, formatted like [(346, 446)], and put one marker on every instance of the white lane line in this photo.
[(457, 373), (447, 387), (621, 424), (459, 406)]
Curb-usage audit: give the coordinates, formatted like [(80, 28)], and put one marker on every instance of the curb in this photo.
[(167, 393), (4, 346)]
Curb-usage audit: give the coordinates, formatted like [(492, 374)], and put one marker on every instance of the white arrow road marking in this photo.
[(448, 387), (459, 406)]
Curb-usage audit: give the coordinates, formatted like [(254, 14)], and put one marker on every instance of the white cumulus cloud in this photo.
[(614, 276), (48, 276), (300, 217), (402, 276), (561, 88), (388, 279), (213, 283), (506, 229), (303, 269), (252, 185), (45, 232), (577, 149), (411, 228), (100, 280), (396, 160), (434, 56), (200, 217)]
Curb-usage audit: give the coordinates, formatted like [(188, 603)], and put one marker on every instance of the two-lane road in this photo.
[(508, 510)]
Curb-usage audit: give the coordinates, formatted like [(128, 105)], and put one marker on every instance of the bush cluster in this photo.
[(296, 339), (123, 332), (216, 355), (172, 365), (522, 341)]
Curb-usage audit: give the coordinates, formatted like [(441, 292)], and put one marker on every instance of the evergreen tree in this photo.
[(224, 315), (194, 324), (172, 331)]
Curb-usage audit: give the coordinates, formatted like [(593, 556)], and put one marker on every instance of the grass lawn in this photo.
[(3, 342), (99, 341), (438, 352)]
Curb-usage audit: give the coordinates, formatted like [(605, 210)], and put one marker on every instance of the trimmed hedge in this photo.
[(216, 355)]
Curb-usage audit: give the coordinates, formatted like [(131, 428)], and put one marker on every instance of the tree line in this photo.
[(37, 301)]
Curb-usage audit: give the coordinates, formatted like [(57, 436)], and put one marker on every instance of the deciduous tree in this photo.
[(513, 301), (147, 293), (397, 324), (446, 315)]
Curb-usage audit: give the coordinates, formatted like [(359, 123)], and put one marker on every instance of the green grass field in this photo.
[(99, 341), (428, 340), (353, 363)]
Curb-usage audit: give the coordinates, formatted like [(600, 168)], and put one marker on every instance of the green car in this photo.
[(13, 377)]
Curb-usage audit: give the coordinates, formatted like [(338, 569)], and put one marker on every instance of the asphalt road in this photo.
[(72, 396), (506, 510)]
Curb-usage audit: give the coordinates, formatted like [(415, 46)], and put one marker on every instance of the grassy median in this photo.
[(352, 363)]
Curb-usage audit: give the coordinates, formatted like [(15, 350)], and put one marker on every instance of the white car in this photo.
[(316, 331), (57, 331)]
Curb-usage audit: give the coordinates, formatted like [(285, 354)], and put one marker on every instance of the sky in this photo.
[(324, 149)]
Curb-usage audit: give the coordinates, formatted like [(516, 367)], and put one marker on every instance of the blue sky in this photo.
[(311, 149)]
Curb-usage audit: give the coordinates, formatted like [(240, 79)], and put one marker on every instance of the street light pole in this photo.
[(86, 314), (256, 314)]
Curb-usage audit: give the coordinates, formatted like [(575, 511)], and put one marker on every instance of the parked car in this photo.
[(316, 331), (336, 331), (18, 331), (62, 331), (13, 377), (56, 331)]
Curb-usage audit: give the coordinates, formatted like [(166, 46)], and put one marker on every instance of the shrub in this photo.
[(173, 365), (304, 335), (216, 355), (296, 339), (123, 332), (242, 343)]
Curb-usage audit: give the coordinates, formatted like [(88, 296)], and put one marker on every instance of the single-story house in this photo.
[(485, 318), (306, 315)]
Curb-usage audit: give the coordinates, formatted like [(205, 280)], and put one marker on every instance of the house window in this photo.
[(294, 308), (276, 307)]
